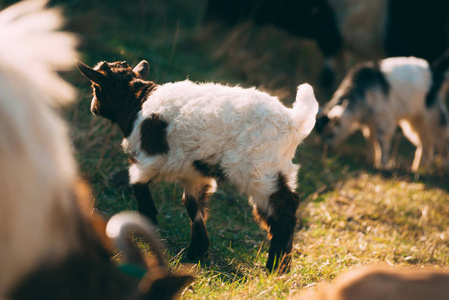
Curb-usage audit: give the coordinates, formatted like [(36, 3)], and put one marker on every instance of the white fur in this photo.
[(36, 161), (250, 134)]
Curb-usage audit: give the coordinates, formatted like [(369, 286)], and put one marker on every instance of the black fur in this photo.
[(214, 171), (321, 122), (145, 203), (281, 224), (154, 135), (417, 28), (313, 19), (439, 67), (443, 119), (364, 77), (200, 243), (119, 91)]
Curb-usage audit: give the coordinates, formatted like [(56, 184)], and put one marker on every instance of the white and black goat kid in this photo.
[(52, 246), (195, 133), (378, 96)]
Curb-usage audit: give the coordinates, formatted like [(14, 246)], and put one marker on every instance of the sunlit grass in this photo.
[(350, 214)]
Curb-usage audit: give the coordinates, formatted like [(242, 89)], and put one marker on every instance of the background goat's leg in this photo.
[(145, 203)]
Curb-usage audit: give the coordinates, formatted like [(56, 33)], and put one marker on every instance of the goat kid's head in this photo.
[(118, 90), (335, 123)]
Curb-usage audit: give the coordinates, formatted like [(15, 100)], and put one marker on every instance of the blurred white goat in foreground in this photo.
[(51, 246)]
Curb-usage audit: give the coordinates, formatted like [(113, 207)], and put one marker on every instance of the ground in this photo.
[(351, 214)]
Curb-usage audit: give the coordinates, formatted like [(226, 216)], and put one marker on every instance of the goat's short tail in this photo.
[(305, 109)]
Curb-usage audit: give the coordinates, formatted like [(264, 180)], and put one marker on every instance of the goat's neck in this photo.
[(127, 116)]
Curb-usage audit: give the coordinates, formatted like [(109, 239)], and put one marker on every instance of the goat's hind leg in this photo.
[(195, 198), (280, 223), (420, 134)]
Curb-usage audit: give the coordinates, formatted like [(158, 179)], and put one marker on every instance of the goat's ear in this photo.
[(90, 73), (143, 68)]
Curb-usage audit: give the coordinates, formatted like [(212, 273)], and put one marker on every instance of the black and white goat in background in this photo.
[(51, 245), (195, 133), (378, 96), (365, 28)]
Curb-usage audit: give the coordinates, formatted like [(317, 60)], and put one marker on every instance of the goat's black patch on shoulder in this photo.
[(439, 68), (208, 170), (154, 135), (364, 77)]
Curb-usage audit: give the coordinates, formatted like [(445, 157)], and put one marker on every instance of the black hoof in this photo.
[(276, 267), (198, 250)]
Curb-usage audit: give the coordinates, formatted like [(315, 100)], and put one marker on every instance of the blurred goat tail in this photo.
[(32, 48)]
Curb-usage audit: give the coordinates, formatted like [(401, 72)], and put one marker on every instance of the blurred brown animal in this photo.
[(52, 246), (382, 283)]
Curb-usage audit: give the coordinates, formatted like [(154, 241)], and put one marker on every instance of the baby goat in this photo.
[(195, 133), (378, 96), (52, 247)]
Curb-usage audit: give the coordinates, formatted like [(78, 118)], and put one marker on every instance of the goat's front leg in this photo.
[(374, 150), (281, 225), (384, 135), (145, 203), (195, 199)]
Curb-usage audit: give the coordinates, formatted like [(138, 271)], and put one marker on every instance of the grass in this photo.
[(350, 214)]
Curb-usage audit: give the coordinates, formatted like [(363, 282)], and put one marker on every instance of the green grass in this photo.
[(350, 214)]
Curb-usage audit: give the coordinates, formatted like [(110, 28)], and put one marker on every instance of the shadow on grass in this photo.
[(320, 175)]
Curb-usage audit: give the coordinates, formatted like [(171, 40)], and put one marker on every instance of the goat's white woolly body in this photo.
[(37, 167), (411, 79), (250, 134)]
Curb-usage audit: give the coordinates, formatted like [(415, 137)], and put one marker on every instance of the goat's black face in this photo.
[(321, 121), (324, 127), (336, 122), (111, 85), (118, 90)]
